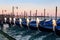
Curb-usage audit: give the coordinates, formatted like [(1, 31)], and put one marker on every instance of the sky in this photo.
[(27, 5)]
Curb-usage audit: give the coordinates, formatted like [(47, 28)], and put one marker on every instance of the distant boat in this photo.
[(46, 26), (10, 21), (5, 20)]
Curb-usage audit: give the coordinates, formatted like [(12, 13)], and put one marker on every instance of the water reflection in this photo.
[(51, 36), (38, 35), (28, 32)]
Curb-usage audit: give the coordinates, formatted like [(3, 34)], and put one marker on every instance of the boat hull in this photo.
[(33, 28), (25, 26), (57, 32), (17, 23), (33, 25), (45, 29)]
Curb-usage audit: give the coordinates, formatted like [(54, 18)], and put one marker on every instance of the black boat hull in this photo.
[(57, 32), (45, 29), (25, 26), (17, 24), (33, 28)]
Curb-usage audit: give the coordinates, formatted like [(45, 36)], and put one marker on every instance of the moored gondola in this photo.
[(25, 23), (46, 26), (9, 21), (34, 24), (57, 28), (58, 22), (5, 20), (17, 22)]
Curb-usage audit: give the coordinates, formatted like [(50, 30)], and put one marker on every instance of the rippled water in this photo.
[(26, 34), (2, 37)]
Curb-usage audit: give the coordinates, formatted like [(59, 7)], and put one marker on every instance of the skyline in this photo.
[(33, 5)]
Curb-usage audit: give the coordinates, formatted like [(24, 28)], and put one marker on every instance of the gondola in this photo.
[(57, 28), (13, 21), (58, 22), (5, 20), (34, 24), (46, 26), (9, 21), (25, 23), (17, 22)]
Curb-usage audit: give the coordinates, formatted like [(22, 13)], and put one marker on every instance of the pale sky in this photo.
[(28, 5)]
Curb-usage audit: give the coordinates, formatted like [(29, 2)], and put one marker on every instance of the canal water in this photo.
[(2, 37), (27, 34)]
